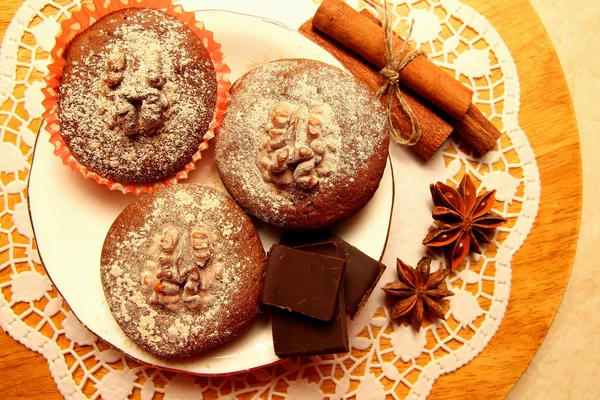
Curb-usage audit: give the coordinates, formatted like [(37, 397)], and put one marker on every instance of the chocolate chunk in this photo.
[(298, 335), (303, 282), (330, 249), (361, 275), (300, 238), (361, 272)]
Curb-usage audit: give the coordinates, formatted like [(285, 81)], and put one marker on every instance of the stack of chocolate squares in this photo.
[(314, 280)]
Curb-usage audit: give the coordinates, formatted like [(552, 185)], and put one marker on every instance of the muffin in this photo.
[(303, 144), (137, 95), (182, 269)]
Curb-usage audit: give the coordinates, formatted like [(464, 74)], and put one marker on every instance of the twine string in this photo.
[(395, 62)]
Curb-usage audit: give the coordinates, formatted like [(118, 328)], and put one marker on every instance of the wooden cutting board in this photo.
[(541, 267)]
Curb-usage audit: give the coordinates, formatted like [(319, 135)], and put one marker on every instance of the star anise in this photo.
[(463, 220), (417, 292)]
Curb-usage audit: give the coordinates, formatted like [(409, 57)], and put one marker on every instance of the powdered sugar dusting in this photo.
[(131, 260), (136, 103), (350, 112)]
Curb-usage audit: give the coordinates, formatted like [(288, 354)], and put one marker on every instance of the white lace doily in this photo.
[(387, 358)]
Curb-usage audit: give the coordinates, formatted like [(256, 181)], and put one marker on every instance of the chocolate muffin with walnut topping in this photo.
[(303, 144), (182, 270), (137, 94)]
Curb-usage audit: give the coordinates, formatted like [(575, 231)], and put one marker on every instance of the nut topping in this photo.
[(168, 240), (115, 67), (314, 127), (155, 73), (178, 279), (279, 161), (308, 183), (287, 154), (134, 104), (199, 235), (303, 153), (281, 115), (150, 113)]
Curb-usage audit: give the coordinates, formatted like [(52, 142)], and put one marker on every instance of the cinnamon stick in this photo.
[(357, 32), (434, 130), (477, 130), (360, 34)]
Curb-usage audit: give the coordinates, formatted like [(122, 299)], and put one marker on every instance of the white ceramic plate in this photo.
[(71, 215)]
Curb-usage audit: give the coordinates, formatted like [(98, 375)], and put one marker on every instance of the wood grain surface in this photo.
[(540, 268)]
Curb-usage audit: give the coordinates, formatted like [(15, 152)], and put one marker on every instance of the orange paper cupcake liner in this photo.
[(82, 19)]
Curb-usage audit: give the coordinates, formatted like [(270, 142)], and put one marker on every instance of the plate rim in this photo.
[(177, 370)]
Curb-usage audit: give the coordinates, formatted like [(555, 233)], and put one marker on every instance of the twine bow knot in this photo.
[(395, 63), (390, 74)]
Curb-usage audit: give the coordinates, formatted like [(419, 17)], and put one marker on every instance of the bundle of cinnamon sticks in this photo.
[(439, 102)]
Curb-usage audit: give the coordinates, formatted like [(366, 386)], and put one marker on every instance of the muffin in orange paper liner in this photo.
[(80, 21)]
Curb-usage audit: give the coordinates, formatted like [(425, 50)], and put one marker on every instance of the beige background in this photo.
[(567, 365)]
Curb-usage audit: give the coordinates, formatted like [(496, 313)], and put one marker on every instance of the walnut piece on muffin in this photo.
[(136, 97), (303, 145), (182, 270)]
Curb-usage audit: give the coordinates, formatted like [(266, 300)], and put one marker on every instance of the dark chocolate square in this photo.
[(330, 249), (361, 275), (361, 272), (302, 281), (301, 238), (298, 335)]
